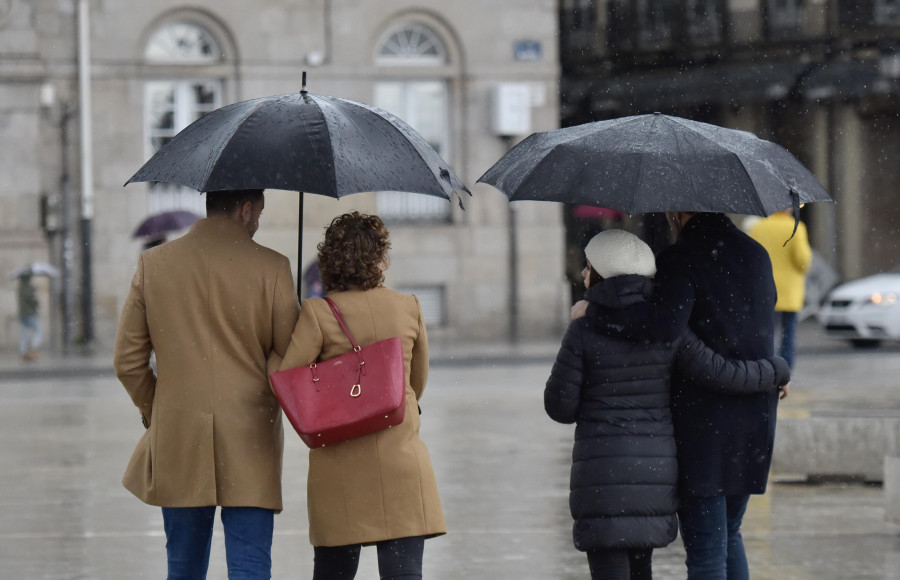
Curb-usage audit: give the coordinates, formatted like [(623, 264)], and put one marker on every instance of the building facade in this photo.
[(820, 77), (153, 67)]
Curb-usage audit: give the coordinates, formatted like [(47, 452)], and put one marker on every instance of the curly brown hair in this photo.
[(355, 244)]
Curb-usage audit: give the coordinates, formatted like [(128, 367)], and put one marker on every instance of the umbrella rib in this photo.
[(534, 166), (218, 154), (346, 117), (743, 165), (380, 114)]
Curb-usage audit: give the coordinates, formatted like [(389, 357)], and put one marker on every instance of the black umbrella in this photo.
[(163, 223), (302, 142), (656, 163)]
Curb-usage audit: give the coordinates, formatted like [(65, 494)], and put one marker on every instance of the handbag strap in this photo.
[(361, 369), (340, 319)]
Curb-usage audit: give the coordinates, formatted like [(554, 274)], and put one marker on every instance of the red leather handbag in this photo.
[(354, 394)]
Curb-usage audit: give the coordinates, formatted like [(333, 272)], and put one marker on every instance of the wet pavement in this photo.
[(68, 429)]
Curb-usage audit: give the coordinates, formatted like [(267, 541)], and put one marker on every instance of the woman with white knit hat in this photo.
[(623, 486)]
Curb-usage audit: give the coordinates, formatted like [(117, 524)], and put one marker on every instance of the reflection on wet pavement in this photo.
[(502, 469)]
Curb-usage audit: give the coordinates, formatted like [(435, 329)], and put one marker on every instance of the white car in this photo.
[(865, 311)]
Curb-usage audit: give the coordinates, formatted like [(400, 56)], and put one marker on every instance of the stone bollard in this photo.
[(839, 447), (892, 489)]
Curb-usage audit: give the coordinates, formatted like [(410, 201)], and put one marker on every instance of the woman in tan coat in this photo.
[(380, 488)]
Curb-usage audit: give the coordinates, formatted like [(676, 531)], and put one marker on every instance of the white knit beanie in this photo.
[(617, 253)]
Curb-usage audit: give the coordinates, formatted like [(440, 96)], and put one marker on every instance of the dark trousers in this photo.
[(620, 564), (399, 559), (248, 541), (786, 346)]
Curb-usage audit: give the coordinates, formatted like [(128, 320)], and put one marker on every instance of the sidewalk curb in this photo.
[(40, 374), (63, 371)]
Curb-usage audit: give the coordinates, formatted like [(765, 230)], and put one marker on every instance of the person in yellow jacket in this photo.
[(790, 263)]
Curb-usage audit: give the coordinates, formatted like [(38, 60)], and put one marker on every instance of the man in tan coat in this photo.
[(218, 311)]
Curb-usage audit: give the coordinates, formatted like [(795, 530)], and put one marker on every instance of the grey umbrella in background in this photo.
[(302, 142), (162, 223), (34, 269), (656, 163)]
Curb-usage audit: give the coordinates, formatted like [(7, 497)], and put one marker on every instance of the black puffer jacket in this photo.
[(624, 472)]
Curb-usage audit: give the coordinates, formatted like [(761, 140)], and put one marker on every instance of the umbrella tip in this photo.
[(303, 87)]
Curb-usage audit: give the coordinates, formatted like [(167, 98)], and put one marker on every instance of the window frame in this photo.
[(705, 30), (886, 12), (408, 71), (179, 74)]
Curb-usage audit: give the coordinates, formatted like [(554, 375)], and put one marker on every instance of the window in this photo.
[(431, 299), (887, 12), (578, 26), (182, 43), (704, 22), (783, 15), (424, 105), (654, 22), (412, 44), (172, 105)]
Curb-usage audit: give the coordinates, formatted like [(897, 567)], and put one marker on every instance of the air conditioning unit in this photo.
[(511, 110)]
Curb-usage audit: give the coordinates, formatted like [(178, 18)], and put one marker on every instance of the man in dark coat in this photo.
[(718, 281)]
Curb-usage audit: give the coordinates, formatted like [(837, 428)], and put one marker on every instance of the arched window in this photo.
[(177, 100), (422, 102), (412, 44), (182, 43)]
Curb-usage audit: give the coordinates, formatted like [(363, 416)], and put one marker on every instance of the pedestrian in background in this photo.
[(379, 488), (717, 281), (791, 257), (625, 471), (312, 281), (154, 241), (29, 321), (218, 310)]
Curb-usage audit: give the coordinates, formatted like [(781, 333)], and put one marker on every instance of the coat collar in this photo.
[(620, 291), (220, 226), (706, 225)]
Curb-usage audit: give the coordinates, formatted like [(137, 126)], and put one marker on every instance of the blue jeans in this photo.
[(30, 334), (248, 541), (711, 532), (787, 322)]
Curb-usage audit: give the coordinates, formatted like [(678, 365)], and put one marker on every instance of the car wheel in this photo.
[(865, 343)]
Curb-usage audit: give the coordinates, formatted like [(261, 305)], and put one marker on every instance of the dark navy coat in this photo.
[(718, 281), (624, 467)]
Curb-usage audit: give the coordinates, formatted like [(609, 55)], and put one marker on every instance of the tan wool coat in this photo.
[(218, 310), (379, 486)]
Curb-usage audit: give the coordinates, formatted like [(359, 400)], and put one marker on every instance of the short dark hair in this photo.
[(354, 245), (225, 202)]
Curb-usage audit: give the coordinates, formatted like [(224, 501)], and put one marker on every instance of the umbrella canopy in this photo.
[(34, 269), (656, 163), (302, 142), (163, 223)]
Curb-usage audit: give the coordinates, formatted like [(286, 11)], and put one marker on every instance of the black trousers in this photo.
[(620, 564), (399, 559)]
